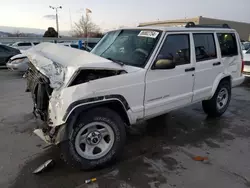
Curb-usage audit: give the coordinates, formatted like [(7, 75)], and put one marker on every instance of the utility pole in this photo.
[(71, 27), (57, 23)]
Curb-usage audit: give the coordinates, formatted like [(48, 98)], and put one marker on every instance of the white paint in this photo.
[(148, 92), (168, 89), (206, 73), (247, 67), (246, 57), (59, 63), (18, 56), (55, 73), (22, 46), (123, 84)]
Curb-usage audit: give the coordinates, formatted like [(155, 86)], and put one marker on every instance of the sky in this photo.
[(109, 14)]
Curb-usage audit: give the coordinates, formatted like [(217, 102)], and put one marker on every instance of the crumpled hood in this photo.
[(59, 63)]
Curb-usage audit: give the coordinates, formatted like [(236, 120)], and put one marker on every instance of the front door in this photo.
[(167, 89)]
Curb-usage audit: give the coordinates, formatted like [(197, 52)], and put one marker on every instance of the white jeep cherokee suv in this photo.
[(88, 99)]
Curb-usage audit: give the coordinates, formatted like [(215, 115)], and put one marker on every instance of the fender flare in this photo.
[(217, 82), (77, 107), (83, 104)]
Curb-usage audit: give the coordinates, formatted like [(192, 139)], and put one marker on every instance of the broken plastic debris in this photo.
[(45, 166), (200, 158), (90, 180)]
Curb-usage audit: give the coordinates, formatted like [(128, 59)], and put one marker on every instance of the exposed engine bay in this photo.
[(87, 75), (39, 86)]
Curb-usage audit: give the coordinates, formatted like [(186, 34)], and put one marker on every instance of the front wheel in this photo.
[(97, 139), (218, 104)]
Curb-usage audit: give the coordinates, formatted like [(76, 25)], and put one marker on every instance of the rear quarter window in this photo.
[(228, 44)]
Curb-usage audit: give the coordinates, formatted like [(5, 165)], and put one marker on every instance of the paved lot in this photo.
[(157, 154)]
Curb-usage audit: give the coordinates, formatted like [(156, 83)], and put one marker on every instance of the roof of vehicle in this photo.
[(166, 28), (22, 42)]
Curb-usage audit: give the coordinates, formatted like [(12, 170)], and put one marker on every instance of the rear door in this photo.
[(230, 53), (208, 64)]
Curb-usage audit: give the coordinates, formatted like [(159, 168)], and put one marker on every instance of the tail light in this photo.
[(242, 66)]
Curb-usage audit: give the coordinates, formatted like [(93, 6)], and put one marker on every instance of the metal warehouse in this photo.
[(242, 28)]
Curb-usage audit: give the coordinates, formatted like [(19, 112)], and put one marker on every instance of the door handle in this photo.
[(189, 69), (216, 64)]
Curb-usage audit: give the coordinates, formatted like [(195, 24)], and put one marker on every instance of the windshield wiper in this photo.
[(115, 61)]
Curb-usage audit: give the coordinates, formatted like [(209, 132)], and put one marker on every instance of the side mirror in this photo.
[(164, 64)]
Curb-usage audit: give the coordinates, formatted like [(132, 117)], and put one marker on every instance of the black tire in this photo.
[(210, 106), (108, 116)]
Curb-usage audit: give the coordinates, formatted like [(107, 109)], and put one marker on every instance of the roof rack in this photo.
[(192, 24)]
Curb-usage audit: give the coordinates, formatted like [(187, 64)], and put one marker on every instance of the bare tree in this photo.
[(17, 33), (85, 27)]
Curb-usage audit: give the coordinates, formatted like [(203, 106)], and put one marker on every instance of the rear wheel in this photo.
[(218, 104), (97, 139)]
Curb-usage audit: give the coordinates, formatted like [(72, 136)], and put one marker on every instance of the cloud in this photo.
[(50, 17)]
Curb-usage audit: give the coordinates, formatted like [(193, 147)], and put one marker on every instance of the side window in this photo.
[(24, 44), (74, 45), (176, 48), (92, 45), (205, 48), (228, 44)]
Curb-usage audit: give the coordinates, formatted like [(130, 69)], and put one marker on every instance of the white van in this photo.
[(246, 58), (24, 45), (89, 99)]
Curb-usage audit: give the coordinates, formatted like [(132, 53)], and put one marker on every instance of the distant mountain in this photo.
[(21, 30), (4, 34), (29, 31)]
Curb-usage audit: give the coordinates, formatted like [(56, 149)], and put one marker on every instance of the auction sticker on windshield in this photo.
[(150, 34)]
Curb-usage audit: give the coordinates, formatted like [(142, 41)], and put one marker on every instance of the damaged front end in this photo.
[(39, 86), (59, 76)]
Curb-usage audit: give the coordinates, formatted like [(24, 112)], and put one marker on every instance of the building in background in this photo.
[(242, 28)]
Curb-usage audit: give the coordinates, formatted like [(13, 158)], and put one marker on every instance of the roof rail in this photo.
[(192, 24), (170, 22)]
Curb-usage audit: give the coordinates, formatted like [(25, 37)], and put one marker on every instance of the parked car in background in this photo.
[(75, 45), (24, 45), (6, 53), (92, 44), (9, 43), (245, 47), (18, 63), (246, 58)]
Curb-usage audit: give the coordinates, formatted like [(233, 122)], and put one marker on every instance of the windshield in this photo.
[(131, 47)]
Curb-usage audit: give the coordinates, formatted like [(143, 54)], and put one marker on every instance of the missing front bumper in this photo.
[(54, 136), (43, 136)]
